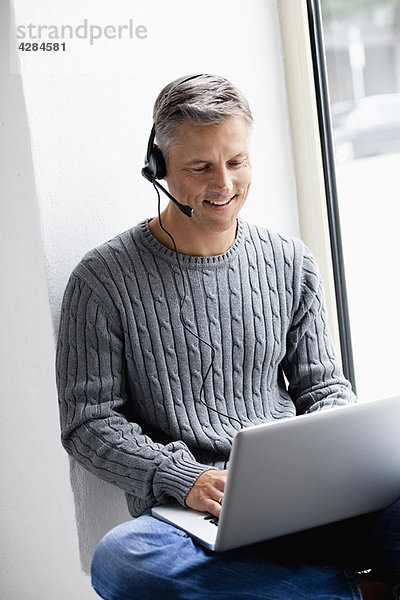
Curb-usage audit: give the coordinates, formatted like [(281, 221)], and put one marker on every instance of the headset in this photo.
[(155, 166)]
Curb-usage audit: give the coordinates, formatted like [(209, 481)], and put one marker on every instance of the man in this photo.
[(175, 334)]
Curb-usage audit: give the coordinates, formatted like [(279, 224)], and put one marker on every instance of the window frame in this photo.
[(313, 154)]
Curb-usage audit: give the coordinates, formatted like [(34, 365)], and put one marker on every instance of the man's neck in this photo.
[(188, 239)]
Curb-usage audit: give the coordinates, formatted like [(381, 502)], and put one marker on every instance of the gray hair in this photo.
[(204, 100)]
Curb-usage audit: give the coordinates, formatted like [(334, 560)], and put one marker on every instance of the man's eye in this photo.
[(200, 169), (236, 164)]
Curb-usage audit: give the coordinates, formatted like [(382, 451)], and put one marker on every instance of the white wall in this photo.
[(76, 128), (39, 547)]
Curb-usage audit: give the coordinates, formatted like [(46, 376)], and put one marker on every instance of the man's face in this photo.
[(209, 169)]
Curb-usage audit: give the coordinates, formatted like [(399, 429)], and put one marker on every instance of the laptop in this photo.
[(294, 474)]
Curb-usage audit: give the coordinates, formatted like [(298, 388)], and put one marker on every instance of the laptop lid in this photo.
[(294, 474)]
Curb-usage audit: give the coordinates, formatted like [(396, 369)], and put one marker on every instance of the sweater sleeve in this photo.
[(93, 398), (314, 374)]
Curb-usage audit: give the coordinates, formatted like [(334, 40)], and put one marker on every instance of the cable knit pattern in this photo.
[(129, 375)]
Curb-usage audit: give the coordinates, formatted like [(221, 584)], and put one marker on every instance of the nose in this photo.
[(221, 182)]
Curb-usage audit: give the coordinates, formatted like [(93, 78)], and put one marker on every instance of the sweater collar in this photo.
[(149, 242)]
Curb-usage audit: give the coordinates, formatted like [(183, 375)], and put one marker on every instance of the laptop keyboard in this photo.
[(212, 519)]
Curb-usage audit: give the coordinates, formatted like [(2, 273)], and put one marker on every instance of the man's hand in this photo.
[(207, 493)]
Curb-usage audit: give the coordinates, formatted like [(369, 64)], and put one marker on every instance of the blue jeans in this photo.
[(146, 559)]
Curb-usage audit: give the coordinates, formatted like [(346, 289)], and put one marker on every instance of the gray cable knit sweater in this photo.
[(129, 375)]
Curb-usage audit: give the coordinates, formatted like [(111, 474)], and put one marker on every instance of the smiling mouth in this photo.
[(220, 202)]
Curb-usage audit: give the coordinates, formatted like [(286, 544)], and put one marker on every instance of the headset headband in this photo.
[(152, 137)]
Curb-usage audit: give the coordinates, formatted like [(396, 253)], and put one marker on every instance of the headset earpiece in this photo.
[(156, 164)]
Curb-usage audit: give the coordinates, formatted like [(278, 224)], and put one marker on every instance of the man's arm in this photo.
[(91, 378), (314, 374)]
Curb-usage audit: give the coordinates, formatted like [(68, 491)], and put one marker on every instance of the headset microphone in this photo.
[(185, 208)]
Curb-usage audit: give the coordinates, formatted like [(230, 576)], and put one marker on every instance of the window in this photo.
[(357, 57)]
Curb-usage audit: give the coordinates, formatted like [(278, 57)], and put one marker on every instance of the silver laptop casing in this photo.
[(294, 474)]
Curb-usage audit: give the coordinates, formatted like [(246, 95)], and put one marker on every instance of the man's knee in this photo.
[(107, 570), (138, 559)]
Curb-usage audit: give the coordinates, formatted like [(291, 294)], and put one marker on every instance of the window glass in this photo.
[(362, 47)]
